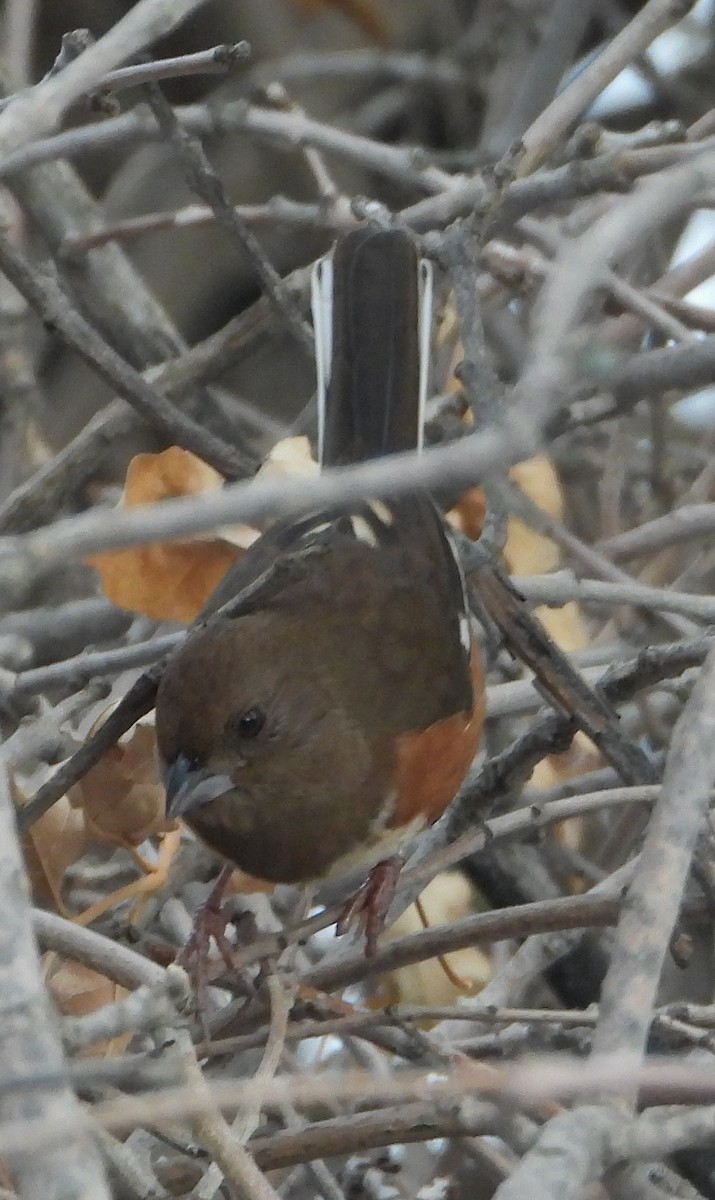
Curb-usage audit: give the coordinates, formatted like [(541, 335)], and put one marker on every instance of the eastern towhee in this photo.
[(319, 721)]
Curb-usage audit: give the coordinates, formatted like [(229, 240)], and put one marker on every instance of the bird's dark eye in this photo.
[(250, 723)]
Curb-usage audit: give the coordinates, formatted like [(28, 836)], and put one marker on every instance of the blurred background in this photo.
[(461, 78)]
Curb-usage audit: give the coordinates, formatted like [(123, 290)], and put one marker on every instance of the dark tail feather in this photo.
[(373, 397)]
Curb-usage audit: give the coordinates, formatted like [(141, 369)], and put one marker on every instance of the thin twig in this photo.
[(73, 673), (42, 289), (105, 955), (204, 181), (406, 1123), (29, 1038), (213, 1132), (456, 465), (563, 586), (216, 61), (19, 33), (520, 921), (281, 999), (651, 906), (138, 701), (39, 109), (683, 524), (541, 1079), (71, 468), (527, 639), (554, 122), (403, 164), (279, 210)]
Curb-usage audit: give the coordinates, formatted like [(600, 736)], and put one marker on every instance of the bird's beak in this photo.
[(188, 786)]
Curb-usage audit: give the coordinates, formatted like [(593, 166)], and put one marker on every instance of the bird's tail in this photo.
[(372, 347)]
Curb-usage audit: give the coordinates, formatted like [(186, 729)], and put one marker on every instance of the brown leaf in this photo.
[(52, 844), (168, 581), (122, 797), (530, 553), (173, 580), (78, 990)]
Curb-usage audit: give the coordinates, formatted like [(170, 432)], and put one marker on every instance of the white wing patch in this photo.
[(364, 532), (465, 629), (382, 512), (465, 632), (313, 530)]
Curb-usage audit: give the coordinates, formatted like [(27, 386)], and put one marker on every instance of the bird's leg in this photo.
[(370, 904), (139, 890), (210, 921)]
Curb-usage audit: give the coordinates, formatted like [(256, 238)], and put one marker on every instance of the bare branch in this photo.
[(40, 108), (30, 1040), (654, 897), (555, 121), (42, 289)]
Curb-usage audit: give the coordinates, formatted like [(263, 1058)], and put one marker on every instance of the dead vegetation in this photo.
[(165, 183)]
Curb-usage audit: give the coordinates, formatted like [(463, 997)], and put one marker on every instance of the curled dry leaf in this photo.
[(172, 581), (50, 846), (530, 553), (77, 991), (289, 457), (165, 580), (122, 797)]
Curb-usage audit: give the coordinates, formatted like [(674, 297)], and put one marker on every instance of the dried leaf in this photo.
[(50, 846), (530, 553), (77, 991), (122, 797), (289, 457), (173, 580), (580, 758), (166, 582), (173, 472)]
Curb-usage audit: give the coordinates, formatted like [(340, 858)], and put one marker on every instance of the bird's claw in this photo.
[(369, 907)]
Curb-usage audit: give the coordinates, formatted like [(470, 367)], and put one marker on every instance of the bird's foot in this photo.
[(369, 906), (210, 922)]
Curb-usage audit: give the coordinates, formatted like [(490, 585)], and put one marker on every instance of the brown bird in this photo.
[(330, 712)]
